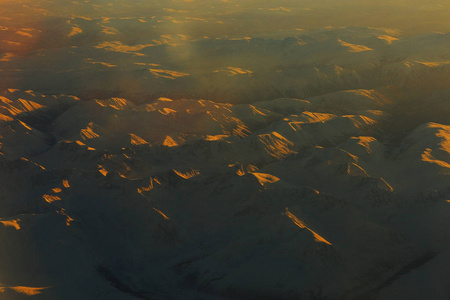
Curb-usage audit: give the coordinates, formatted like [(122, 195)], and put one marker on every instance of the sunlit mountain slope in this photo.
[(190, 198), (197, 149)]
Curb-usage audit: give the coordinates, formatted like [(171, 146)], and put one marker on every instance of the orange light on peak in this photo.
[(353, 47), (301, 224), (102, 170), (428, 157), (167, 111), (265, 179), (161, 213), (11, 223), (51, 198), (137, 140), (170, 142), (187, 175), (165, 99), (168, 74), (240, 172), (68, 218), (216, 137), (29, 291)]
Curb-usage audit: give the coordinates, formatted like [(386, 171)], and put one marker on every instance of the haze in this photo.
[(224, 150)]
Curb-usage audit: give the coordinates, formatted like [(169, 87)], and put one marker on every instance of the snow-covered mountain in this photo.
[(179, 151), (192, 199)]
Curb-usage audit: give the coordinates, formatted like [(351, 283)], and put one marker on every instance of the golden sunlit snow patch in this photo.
[(356, 170), (244, 170), (387, 38), (167, 111), (170, 142), (25, 125), (150, 187), (167, 73), (90, 61), (75, 30), (432, 64), (24, 33), (234, 71), (251, 168), (57, 190), (5, 100), (88, 133), (109, 30), (367, 120), (137, 140), (116, 103), (240, 130), (148, 64), (360, 121), (353, 47), (365, 142), (382, 184), (102, 170), (29, 291), (164, 99), (276, 145), (36, 164), (444, 133), (265, 179), (218, 137), (244, 38), (188, 174), (161, 213), (374, 95), (313, 117), (196, 19), (5, 118), (428, 157), (7, 56), (118, 46), (66, 183), (26, 105), (68, 218), (11, 223), (16, 44), (302, 225), (51, 198), (281, 8), (256, 111)]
